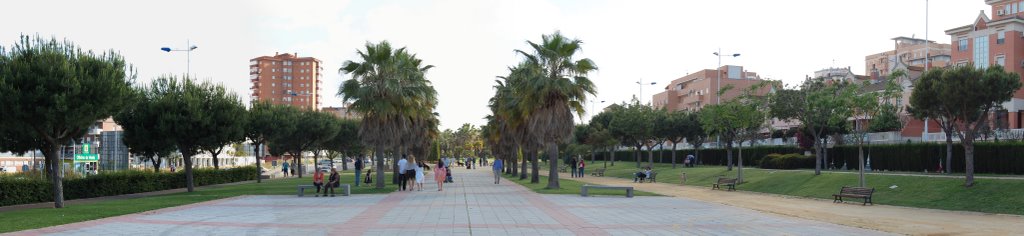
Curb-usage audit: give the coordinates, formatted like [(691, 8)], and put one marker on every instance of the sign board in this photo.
[(86, 148), (90, 157)]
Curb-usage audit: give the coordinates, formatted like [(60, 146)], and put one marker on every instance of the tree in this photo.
[(389, 88), (695, 134), (140, 122), (672, 128), (601, 136), (561, 88), (188, 119), (633, 125), (924, 106), (345, 143), (51, 92), (312, 128), (967, 95), (229, 115), (818, 105), (262, 124), (872, 105)]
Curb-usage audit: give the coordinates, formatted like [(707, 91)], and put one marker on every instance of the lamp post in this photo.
[(592, 111), (640, 97), (188, 57), (718, 72)]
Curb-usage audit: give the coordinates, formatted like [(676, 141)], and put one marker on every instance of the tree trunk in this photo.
[(661, 153), (949, 152), (380, 166), (612, 151), (316, 161), (674, 155), (553, 164), (535, 161), (397, 155), (860, 160), (216, 163), (53, 167), (739, 165), (259, 170), (298, 163), (189, 181), (824, 154), (636, 155), (156, 163), (650, 156), (515, 165), (817, 156), (696, 156), (592, 153), (522, 173), (606, 159), (968, 143), (728, 156)]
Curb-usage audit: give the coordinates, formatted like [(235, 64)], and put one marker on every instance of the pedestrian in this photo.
[(284, 168), (572, 164), (691, 160), (24, 168), (402, 178), (419, 175), (686, 162), (172, 168), (359, 169), (581, 165), (318, 181), (439, 175), (496, 167), (333, 181), (410, 172)]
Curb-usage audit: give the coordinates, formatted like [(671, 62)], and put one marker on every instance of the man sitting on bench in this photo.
[(641, 175), (332, 182)]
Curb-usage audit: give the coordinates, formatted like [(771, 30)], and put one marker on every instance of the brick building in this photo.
[(909, 51), (694, 91), (286, 79), (995, 40)]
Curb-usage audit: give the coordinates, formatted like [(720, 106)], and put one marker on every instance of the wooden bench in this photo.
[(653, 178), (347, 187), (563, 169), (854, 192), (584, 189), (598, 172), (730, 182)]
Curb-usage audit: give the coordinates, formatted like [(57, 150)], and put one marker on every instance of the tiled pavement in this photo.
[(471, 206)]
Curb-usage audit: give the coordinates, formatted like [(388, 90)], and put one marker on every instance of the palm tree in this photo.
[(552, 95), (390, 89)]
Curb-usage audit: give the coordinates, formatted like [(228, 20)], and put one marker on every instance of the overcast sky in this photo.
[(471, 42)]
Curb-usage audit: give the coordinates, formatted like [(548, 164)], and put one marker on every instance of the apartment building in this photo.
[(287, 79), (910, 51), (696, 90)]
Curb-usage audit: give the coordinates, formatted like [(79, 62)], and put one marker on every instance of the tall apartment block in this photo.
[(995, 40), (286, 79)]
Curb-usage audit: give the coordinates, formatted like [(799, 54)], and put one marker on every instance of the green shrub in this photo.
[(15, 191), (787, 161)]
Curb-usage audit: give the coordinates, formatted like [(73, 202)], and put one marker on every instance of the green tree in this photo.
[(924, 106), (228, 114), (51, 92), (818, 105), (552, 97), (312, 128), (601, 136), (345, 143), (968, 96), (142, 134), (695, 134), (389, 88), (633, 124)]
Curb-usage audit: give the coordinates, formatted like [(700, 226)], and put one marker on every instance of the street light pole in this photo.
[(640, 98), (188, 57)]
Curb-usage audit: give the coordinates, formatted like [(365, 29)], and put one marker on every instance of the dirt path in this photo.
[(903, 220)]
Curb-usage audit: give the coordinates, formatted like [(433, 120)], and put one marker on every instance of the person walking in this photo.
[(439, 175), (581, 165), (572, 164), (402, 179), (410, 172), (496, 167), (419, 175), (284, 168), (359, 169), (318, 181), (333, 181)]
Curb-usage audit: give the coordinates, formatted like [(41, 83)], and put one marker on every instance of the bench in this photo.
[(854, 192), (347, 187), (653, 178), (730, 182), (586, 187), (563, 169), (598, 172)]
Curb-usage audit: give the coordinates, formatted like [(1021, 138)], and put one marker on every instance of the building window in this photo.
[(273, 84), (1000, 37), (1014, 10), (981, 52), (1001, 60), (963, 44)]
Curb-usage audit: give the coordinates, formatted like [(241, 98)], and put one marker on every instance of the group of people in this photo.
[(577, 167), (333, 181), (642, 175), (410, 174)]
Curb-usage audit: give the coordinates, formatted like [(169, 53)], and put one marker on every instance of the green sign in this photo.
[(86, 149), (90, 157)]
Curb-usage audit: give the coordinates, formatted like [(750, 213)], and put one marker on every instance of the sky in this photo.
[(471, 42)]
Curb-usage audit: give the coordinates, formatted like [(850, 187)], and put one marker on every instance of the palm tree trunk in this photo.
[(397, 155), (535, 162), (522, 174), (553, 165), (380, 166)]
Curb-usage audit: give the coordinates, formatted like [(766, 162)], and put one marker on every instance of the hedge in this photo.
[(989, 157), (787, 161), (14, 191)]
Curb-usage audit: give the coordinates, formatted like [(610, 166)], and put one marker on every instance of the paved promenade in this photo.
[(471, 206)]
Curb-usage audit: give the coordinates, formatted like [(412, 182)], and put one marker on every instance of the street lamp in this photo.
[(641, 83), (718, 71), (592, 111), (188, 58)]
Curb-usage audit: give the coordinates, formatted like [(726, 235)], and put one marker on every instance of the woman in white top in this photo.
[(419, 175)]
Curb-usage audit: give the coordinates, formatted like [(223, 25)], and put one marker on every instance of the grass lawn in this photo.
[(569, 186), (71, 213), (988, 195)]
